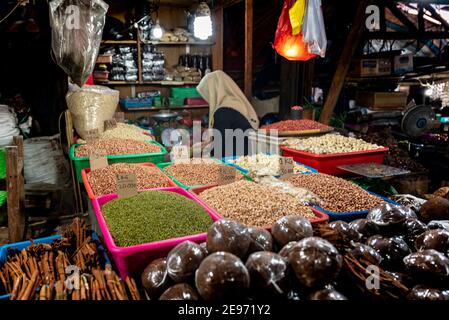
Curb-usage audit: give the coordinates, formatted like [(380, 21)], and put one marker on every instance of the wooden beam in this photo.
[(436, 16), (400, 15), (70, 139), (16, 214), (217, 49), (407, 35), (352, 41), (18, 142), (248, 80), (428, 1), (421, 23)]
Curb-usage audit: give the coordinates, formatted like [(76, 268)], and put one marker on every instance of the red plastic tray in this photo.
[(328, 163), (195, 102), (320, 216), (90, 192)]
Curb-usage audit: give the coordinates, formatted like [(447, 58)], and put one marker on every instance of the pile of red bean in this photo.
[(295, 125)]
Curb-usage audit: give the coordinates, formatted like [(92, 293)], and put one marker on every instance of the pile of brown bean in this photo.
[(295, 125), (103, 181), (337, 194), (117, 147), (200, 173), (253, 204)]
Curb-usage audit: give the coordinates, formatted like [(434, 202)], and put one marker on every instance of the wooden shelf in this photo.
[(171, 83), (167, 108), (189, 43), (119, 42), (143, 83), (117, 83)]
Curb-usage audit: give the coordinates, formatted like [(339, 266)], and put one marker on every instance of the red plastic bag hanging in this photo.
[(291, 47)]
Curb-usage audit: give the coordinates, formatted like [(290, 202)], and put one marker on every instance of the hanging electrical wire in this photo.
[(19, 2)]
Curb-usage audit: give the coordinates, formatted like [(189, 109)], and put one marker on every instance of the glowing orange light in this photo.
[(293, 48)]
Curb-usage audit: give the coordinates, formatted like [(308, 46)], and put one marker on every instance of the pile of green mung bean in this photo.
[(154, 216)]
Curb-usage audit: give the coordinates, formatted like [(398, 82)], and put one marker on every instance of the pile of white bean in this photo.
[(124, 131), (267, 164), (330, 143)]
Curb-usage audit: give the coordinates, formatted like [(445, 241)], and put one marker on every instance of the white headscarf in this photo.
[(219, 90)]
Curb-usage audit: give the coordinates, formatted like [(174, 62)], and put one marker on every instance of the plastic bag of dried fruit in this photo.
[(304, 196)]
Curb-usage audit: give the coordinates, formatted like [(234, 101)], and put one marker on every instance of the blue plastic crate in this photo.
[(350, 216), (22, 245), (130, 103), (228, 160)]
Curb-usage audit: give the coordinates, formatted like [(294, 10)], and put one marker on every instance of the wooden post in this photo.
[(18, 142), (352, 41), (217, 49), (248, 80), (15, 189), (75, 184)]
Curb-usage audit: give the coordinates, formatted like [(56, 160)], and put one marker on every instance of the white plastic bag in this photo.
[(76, 31), (313, 29)]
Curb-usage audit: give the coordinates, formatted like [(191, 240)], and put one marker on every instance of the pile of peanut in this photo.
[(117, 147), (253, 204), (198, 173), (103, 181), (329, 144), (338, 195)]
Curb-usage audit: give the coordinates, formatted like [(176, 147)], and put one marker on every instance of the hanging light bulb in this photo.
[(202, 25), (156, 31)]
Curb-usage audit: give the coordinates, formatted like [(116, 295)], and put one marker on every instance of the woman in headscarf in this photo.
[(228, 108)]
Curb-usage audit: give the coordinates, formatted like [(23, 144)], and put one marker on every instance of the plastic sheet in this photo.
[(392, 250), (409, 201), (327, 294), (428, 266), (44, 161), (229, 236), (222, 276), (269, 273), (365, 228), (412, 230), (77, 28), (8, 126), (261, 240), (366, 253), (291, 228), (302, 195), (285, 251), (314, 31), (90, 107), (183, 260), (316, 262), (390, 218), (433, 239), (344, 229), (180, 291), (429, 294), (155, 278)]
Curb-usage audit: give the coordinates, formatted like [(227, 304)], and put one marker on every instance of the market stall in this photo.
[(304, 210)]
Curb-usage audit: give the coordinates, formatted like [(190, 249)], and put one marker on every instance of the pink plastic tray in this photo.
[(132, 260)]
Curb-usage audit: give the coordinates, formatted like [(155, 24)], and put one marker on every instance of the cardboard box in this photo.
[(382, 100), (403, 64), (104, 58), (371, 67)]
